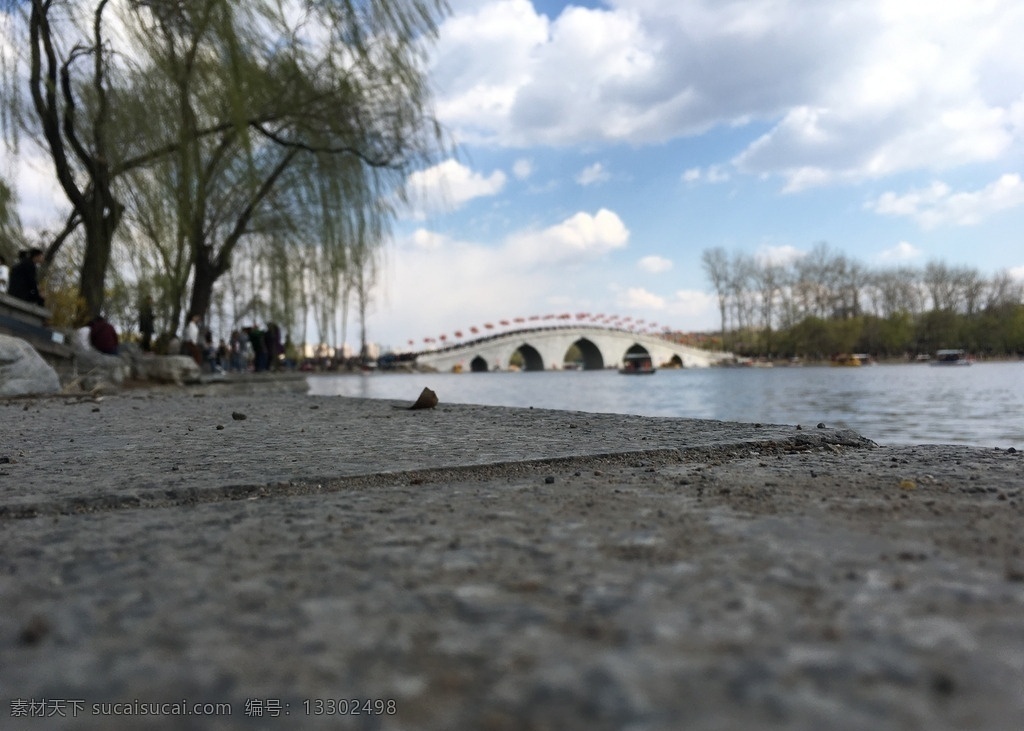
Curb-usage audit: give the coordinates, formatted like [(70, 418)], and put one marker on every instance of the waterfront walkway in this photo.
[(278, 556)]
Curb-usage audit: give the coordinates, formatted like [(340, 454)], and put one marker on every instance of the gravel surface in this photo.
[(490, 568)]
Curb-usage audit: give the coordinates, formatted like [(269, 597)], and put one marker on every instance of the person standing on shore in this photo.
[(146, 323), (5, 274), (190, 341), (23, 278), (258, 339)]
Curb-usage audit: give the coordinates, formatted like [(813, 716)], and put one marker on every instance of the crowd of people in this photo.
[(250, 348)]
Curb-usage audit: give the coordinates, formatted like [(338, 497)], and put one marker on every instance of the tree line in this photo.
[(826, 303), (230, 158)]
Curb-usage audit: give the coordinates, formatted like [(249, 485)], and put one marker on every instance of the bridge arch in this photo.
[(591, 354), (532, 359), (478, 365), (637, 349)]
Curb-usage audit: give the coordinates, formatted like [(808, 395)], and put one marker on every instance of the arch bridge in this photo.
[(548, 348)]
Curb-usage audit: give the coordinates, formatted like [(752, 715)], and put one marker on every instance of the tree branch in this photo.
[(335, 150)]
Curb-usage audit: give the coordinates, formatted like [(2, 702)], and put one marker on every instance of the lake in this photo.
[(980, 405)]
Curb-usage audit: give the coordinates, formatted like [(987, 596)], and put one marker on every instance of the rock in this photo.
[(427, 400), (176, 369), (98, 369), (23, 371)]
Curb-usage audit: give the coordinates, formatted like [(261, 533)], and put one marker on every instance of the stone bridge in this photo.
[(547, 348)]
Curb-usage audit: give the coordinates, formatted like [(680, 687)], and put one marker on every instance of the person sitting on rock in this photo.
[(102, 336)]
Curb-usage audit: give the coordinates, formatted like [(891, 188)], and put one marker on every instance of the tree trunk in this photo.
[(99, 236), (206, 270)]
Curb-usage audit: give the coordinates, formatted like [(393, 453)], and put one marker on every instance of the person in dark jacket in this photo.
[(146, 320), (24, 285)]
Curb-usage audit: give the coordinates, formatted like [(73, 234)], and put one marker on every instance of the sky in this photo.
[(601, 146)]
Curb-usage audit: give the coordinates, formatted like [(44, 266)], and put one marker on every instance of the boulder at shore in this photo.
[(23, 371)]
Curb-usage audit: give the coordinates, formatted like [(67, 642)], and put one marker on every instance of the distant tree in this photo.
[(769, 278), (828, 303), (716, 265)]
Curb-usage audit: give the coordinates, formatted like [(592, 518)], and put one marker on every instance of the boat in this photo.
[(852, 360), (951, 357), (637, 364)]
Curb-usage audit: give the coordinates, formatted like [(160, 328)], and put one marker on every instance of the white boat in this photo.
[(951, 357), (637, 364)]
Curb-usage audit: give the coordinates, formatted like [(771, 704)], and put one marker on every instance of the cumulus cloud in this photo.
[(580, 237), (435, 284), (848, 91), (638, 298), (684, 309), (593, 174), (940, 205), (655, 264), (450, 185)]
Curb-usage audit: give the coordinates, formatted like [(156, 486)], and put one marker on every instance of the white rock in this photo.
[(23, 371), (177, 369), (96, 368)]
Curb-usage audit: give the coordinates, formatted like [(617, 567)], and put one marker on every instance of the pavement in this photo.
[(235, 556)]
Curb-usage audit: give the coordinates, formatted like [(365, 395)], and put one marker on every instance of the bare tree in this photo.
[(716, 265), (769, 278)]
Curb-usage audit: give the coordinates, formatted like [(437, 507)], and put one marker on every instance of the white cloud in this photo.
[(428, 240), (711, 174), (692, 309), (434, 284), (450, 185), (655, 264), (939, 205), (638, 298), (593, 174), (850, 91), (40, 198), (522, 168), (684, 309), (781, 255), (578, 238), (903, 251)]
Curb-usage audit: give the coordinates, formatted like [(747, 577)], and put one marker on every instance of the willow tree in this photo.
[(11, 236), (234, 93), (312, 93)]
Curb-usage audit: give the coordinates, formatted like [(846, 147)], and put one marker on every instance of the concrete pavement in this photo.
[(210, 558)]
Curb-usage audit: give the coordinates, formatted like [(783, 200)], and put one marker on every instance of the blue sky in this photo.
[(602, 146)]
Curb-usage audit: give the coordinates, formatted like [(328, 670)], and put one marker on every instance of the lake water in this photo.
[(981, 405)]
